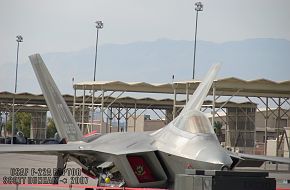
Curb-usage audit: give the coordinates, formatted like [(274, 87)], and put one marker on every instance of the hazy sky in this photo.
[(65, 25), (68, 25)]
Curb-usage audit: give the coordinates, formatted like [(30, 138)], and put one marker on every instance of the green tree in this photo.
[(51, 129), (217, 126), (22, 123)]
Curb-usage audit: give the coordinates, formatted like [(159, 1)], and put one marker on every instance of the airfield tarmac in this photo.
[(10, 162)]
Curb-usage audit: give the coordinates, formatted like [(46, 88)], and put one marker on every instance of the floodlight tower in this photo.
[(99, 25), (19, 39), (198, 7)]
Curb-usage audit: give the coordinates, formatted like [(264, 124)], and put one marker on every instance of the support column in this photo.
[(74, 104), (126, 119), (187, 92), (102, 114), (227, 135), (5, 128), (245, 131), (1, 126), (83, 112), (118, 119), (135, 116), (266, 126), (236, 131), (174, 103), (278, 124), (93, 110), (111, 118), (278, 129)]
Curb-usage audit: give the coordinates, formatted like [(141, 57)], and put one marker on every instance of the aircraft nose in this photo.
[(214, 153)]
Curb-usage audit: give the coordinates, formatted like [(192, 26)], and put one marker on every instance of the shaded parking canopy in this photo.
[(224, 87), (28, 102), (29, 98)]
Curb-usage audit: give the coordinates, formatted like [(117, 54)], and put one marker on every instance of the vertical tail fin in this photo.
[(197, 99), (66, 125)]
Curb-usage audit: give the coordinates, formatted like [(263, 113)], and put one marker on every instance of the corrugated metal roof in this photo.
[(35, 99), (226, 87)]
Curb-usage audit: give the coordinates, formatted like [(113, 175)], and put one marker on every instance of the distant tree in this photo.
[(24, 120), (1, 127), (51, 129), (217, 126), (9, 124), (22, 123)]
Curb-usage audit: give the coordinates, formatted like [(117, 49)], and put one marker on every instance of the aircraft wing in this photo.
[(113, 143), (123, 150), (49, 149), (250, 160)]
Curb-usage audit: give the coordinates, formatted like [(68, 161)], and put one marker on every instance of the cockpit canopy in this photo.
[(194, 122)]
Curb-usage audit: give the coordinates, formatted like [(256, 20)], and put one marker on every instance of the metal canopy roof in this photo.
[(225, 87), (26, 101), (29, 98)]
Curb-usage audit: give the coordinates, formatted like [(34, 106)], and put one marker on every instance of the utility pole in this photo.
[(198, 7), (19, 39), (99, 25)]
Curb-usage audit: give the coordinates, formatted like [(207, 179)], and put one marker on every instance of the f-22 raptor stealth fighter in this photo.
[(143, 159)]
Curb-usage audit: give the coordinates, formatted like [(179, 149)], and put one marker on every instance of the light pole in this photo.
[(99, 25), (19, 39), (198, 7)]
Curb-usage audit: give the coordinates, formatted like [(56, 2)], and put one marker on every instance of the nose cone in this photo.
[(215, 154)]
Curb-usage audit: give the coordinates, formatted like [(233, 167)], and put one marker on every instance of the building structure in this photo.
[(145, 123)]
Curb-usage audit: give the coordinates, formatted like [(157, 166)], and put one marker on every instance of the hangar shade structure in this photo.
[(269, 92), (224, 87), (261, 88)]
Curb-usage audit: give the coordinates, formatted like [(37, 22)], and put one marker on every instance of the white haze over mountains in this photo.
[(156, 62)]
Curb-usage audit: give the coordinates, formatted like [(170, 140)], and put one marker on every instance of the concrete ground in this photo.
[(31, 163)]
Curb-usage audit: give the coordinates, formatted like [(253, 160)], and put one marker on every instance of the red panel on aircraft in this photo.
[(141, 169)]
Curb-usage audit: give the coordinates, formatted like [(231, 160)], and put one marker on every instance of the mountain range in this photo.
[(156, 62)]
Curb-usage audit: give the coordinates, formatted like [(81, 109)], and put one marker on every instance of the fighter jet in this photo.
[(143, 159)]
